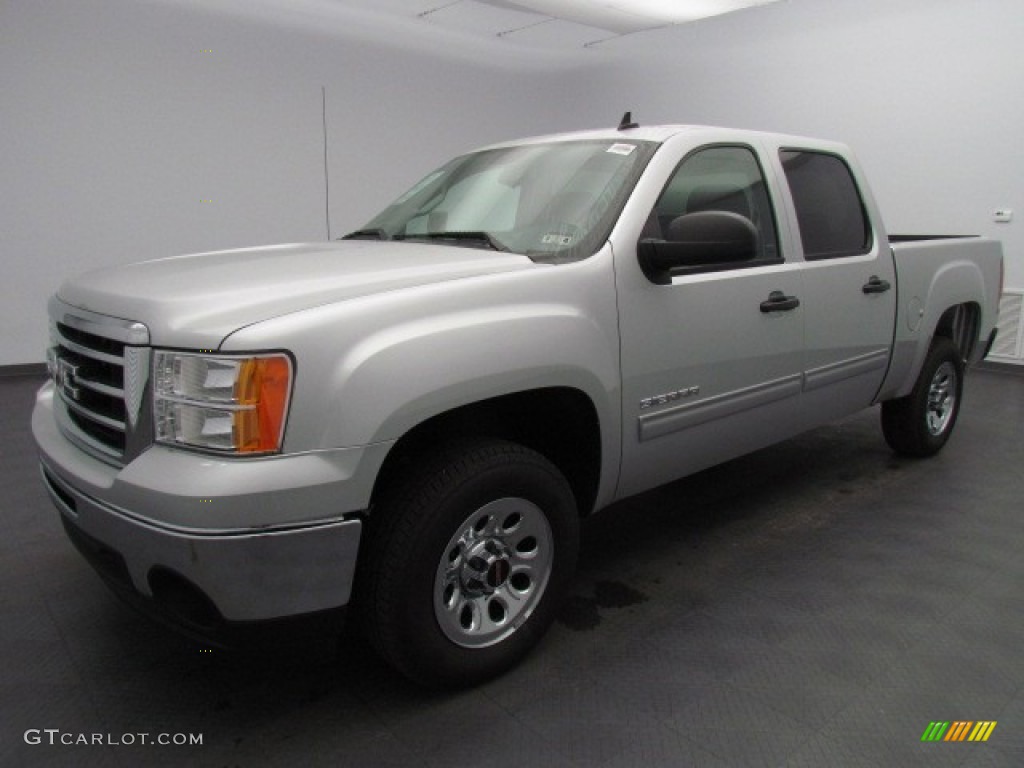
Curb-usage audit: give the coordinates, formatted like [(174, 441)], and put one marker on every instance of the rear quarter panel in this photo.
[(932, 277)]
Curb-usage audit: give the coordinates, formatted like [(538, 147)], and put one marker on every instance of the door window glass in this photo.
[(724, 178), (829, 209)]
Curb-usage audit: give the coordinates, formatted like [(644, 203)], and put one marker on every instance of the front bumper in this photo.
[(214, 540)]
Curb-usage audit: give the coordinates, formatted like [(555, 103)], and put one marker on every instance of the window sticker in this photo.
[(556, 239), (621, 149)]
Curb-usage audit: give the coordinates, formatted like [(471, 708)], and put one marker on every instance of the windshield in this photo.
[(553, 202)]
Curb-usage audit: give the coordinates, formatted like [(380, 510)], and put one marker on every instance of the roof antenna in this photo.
[(627, 122)]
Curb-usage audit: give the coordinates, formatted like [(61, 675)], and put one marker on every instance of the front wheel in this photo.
[(465, 562), (921, 423)]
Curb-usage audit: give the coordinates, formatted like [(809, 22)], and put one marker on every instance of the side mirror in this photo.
[(702, 239)]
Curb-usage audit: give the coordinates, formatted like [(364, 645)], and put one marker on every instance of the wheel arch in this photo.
[(960, 324), (560, 423)]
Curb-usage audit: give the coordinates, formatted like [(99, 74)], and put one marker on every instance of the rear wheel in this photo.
[(466, 560), (921, 423)]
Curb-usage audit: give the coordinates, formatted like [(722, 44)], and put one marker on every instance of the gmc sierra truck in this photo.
[(414, 419)]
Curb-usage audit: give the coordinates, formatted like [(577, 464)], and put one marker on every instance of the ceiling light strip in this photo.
[(423, 14), (526, 26), (592, 43)]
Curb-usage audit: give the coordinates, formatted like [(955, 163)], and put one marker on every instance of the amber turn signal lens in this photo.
[(264, 383)]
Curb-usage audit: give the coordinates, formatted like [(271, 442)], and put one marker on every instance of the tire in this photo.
[(921, 423), (465, 563)]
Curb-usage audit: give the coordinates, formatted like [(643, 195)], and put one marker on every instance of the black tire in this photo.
[(920, 424), (465, 561)]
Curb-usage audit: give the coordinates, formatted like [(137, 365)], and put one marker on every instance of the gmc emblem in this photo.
[(64, 378)]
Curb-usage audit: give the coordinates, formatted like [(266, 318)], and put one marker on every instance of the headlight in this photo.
[(221, 403)]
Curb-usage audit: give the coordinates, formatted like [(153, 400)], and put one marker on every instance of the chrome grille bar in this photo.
[(86, 351), (93, 416), (103, 389)]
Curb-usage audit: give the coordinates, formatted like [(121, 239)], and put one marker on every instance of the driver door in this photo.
[(712, 356)]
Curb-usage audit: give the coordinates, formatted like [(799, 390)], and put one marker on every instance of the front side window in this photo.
[(553, 202), (829, 209), (725, 179)]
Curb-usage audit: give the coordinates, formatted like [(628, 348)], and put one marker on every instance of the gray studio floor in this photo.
[(815, 604)]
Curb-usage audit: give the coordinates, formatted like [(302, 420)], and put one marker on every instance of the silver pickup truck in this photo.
[(414, 419)]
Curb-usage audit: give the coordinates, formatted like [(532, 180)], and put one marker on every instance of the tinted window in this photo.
[(718, 179), (829, 209)]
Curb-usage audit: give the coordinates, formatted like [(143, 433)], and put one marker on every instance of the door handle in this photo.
[(779, 302), (876, 285)]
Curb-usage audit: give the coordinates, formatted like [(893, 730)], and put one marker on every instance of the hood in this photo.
[(197, 300)]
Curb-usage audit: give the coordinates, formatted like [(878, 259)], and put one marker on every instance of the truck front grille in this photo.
[(99, 373), (90, 378)]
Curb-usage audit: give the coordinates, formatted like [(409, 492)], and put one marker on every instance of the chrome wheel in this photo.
[(941, 399), (493, 572)]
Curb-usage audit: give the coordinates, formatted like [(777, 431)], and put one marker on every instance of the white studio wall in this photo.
[(923, 90), (136, 130)]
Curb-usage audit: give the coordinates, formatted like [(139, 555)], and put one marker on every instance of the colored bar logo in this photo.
[(959, 730)]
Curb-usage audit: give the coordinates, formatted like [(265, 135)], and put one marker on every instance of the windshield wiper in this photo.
[(476, 236), (367, 234)]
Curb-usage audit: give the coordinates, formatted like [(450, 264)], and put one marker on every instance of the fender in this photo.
[(411, 372), (370, 369)]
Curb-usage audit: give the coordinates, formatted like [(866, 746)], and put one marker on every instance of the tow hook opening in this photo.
[(184, 600)]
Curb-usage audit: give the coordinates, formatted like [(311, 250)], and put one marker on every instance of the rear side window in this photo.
[(829, 208)]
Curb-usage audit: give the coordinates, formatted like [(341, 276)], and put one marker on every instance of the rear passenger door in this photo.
[(849, 296)]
